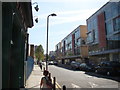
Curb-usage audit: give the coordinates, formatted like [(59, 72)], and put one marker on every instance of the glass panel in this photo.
[(116, 23), (89, 38), (109, 27)]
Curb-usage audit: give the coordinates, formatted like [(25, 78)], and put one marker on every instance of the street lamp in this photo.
[(47, 38)]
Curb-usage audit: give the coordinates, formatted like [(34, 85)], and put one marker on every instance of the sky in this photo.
[(70, 14)]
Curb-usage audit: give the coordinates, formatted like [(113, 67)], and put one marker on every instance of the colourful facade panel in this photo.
[(101, 30), (73, 43)]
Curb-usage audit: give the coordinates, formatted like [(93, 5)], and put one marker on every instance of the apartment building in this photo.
[(73, 46), (104, 32)]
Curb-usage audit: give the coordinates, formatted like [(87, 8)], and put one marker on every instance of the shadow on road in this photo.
[(116, 78), (65, 66)]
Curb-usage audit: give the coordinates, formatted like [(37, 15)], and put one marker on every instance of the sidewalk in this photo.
[(35, 77)]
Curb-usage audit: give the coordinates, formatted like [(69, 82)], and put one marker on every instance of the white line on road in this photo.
[(75, 86), (89, 76), (93, 85)]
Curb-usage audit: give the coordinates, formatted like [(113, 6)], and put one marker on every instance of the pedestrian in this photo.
[(40, 65), (45, 81)]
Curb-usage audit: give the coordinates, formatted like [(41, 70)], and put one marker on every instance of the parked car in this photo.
[(50, 63), (91, 67), (74, 65), (85, 67), (55, 63), (108, 68)]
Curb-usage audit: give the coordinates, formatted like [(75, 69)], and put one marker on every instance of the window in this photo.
[(96, 35), (93, 35), (115, 10), (109, 27), (108, 13), (77, 34), (89, 38), (116, 24), (89, 25), (83, 42), (95, 22)]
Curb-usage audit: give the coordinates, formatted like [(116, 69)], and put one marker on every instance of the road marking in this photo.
[(75, 86), (89, 76), (93, 85), (58, 86)]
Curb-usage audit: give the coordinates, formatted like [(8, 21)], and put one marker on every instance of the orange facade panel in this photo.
[(84, 51), (83, 31)]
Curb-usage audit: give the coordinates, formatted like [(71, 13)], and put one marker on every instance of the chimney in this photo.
[(32, 51)]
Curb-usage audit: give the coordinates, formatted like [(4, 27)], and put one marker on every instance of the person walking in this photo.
[(45, 81), (40, 65)]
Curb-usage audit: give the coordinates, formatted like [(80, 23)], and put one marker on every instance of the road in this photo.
[(80, 79)]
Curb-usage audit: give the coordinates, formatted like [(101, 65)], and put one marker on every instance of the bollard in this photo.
[(64, 87), (44, 68), (54, 83), (50, 77)]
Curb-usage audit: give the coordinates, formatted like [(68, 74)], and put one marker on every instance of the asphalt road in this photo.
[(80, 79)]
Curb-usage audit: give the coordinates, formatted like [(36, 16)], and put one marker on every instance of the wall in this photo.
[(6, 38), (32, 51), (84, 51), (83, 31), (30, 64)]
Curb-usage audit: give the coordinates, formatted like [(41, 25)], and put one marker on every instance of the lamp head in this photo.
[(36, 20), (36, 8), (53, 14)]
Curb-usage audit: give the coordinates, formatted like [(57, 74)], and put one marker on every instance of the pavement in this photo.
[(35, 77)]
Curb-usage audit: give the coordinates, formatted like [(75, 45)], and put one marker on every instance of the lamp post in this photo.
[(47, 38)]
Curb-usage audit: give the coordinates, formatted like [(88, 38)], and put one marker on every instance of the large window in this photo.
[(114, 42), (69, 39), (93, 30), (108, 13), (77, 42), (77, 34), (109, 27), (89, 38), (116, 23), (77, 38)]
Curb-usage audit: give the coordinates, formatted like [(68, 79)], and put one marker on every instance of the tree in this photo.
[(39, 53)]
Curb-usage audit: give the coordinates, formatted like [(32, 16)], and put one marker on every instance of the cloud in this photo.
[(67, 17), (73, 12)]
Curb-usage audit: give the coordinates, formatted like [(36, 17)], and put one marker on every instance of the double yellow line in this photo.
[(57, 85)]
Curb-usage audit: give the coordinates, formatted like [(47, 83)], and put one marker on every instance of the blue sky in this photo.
[(70, 14)]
